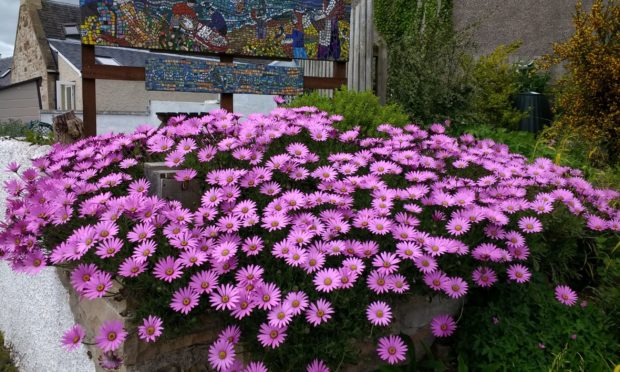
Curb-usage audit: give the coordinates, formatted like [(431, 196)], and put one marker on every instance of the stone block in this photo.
[(166, 187)]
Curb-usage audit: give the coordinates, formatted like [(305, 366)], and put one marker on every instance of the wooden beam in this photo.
[(315, 82), (89, 92), (227, 99), (104, 72)]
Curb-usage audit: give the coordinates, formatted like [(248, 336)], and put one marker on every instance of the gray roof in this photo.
[(54, 15), (5, 65), (72, 50)]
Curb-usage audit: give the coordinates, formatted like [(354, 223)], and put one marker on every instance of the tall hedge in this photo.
[(426, 72)]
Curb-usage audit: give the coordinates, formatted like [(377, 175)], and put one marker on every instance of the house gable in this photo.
[(32, 57)]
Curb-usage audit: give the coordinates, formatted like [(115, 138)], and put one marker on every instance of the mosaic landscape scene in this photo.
[(213, 77), (301, 29)]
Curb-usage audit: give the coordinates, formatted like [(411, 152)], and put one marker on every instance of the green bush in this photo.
[(358, 109), (6, 364), (516, 328), (427, 73), (17, 129), (495, 85)]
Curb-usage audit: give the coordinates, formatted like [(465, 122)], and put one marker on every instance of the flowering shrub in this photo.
[(302, 230)]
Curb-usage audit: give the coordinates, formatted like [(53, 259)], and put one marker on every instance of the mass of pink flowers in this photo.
[(423, 204)]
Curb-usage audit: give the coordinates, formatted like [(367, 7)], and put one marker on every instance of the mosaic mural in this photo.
[(213, 77), (303, 29)]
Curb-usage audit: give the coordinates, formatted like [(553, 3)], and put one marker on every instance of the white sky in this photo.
[(8, 24)]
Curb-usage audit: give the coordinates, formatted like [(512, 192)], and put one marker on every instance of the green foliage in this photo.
[(531, 78), (426, 73), (13, 128), (19, 130), (6, 364), (496, 83), (358, 109), (504, 329)]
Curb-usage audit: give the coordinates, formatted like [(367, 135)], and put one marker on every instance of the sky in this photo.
[(8, 24)]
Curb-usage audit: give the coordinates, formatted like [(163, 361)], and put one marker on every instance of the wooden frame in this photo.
[(91, 72)]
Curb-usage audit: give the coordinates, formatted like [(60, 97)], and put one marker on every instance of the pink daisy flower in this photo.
[(297, 302), (377, 282), (232, 334), (204, 282), (168, 269), (266, 296), (111, 335), (565, 295), (530, 225), (484, 276), (256, 367), (72, 339), (518, 273), (317, 365), (225, 296), (455, 287), (280, 316), (392, 349), (379, 313), (327, 280), (270, 336), (110, 361), (221, 355), (184, 300), (397, 283), (458, 226), (150, 329), (436, 280), (443, 326), (319, 312), (386, 262), (99, 284)]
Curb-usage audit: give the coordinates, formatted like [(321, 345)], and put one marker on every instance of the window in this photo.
[(71, 30), (107, 61), (65, 95)]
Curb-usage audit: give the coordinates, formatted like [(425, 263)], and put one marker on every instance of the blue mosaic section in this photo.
[(214, 77)]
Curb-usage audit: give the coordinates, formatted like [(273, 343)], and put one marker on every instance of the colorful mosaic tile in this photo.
[(302, 29), (213, 77)]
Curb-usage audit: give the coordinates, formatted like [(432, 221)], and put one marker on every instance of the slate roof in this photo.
[(5, 65), (54, 15), (71, 50)]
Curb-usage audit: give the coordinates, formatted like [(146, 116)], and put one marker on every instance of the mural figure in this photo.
[(301, 29), (259, 15), (326, 23), (296, 37), (185, 18)]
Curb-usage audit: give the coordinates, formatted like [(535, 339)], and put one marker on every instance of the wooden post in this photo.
[(89, 92), (340, 71), (226, 99)]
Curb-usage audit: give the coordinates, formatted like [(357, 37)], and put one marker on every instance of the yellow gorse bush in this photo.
[(588, 97)]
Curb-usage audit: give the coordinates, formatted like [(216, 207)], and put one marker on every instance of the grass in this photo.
[(6, 363)]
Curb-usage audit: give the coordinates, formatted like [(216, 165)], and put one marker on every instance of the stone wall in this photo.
[(31, 57), (537, 23)]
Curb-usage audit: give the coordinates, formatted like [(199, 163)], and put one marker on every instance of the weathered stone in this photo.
[(166, 187)]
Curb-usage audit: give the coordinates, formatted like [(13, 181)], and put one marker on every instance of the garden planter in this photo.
[(189, 353), (538, 111), (412, 316)]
